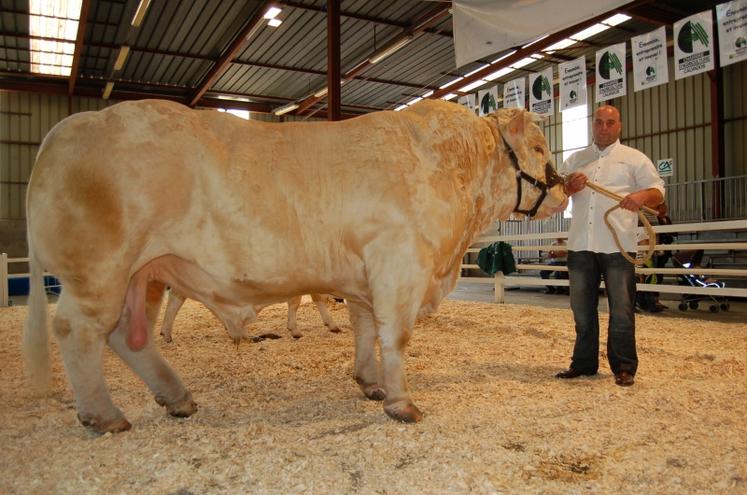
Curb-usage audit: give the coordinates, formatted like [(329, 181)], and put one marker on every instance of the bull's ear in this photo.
[(511, 123)]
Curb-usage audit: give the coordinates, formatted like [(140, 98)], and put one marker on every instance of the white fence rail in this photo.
[(501, 281)]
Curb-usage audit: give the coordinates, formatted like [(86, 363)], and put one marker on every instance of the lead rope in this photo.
[(646, 225)]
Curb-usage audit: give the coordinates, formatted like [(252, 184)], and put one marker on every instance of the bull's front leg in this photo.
[(320, 300), (366, 368), (293, 304), (174, 304)]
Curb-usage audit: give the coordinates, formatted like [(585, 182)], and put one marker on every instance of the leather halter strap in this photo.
[(551, 177)]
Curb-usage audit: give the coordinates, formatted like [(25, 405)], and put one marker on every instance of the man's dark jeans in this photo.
[(586, 270)]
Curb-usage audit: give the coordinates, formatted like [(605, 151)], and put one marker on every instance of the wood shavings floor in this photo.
[(285, 416)]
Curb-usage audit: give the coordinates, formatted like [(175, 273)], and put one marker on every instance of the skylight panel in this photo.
[(57, 22)]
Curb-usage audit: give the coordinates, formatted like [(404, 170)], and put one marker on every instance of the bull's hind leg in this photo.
[(81, 338), (148, 364), (366, 369)]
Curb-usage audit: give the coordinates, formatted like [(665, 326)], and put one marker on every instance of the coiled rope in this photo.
[(638, 260)]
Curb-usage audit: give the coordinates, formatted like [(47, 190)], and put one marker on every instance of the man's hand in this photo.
[(635, 200), (574, 183)]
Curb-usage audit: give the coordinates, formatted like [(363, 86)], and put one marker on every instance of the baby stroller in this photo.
[(687, 259)]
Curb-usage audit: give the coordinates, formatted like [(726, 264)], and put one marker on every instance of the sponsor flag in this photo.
[(540, 93), (487, 100), (693, 45), (731, 18), (572, 77), (611, 73), (650, 59), (513, 94), (468, 101)]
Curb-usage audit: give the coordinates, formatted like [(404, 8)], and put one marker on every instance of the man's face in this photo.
[(606, 126)]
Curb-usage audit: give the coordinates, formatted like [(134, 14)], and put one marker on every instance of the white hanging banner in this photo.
[(486, 27), (611, 72), (693, 45), (572, 83), (488, 100), (650, 59), (731, 18), (513, 94), (540, 93), (468, 101)]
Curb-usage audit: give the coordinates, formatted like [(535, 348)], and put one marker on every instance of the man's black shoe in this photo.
[(572, 373), (624, 379)]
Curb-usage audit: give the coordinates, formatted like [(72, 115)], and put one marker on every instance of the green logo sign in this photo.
[(573, 95), (691, 32), (741, 42), (540, 87), (608, 63), (487, 104), (650, 71)]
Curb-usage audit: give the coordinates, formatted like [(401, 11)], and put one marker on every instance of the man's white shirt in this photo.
[(620, 169)]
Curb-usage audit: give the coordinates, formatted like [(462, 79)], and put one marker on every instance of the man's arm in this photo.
[(651, 197)]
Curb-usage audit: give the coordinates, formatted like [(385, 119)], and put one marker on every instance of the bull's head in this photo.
[(539, 189)]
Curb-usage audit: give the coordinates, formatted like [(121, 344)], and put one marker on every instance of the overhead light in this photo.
[(451, 82), (616, 19), (140, 12), (427, 93), (401, 107), (272, 12), (321, 93), (384, 53), (413, 101), (449, 96), (274, 22), (499, 73), (285, 109), (469, 87), (123, 52), (108, 90)]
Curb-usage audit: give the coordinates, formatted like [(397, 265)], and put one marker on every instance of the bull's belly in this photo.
[(217, 288)]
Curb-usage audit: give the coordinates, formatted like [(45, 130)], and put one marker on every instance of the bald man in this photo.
[(593, 254)]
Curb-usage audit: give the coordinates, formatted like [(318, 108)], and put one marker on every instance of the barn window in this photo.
[(53, 27), (575, 136), (244, 114)]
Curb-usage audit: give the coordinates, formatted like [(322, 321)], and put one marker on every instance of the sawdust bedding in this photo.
[(285, 416)]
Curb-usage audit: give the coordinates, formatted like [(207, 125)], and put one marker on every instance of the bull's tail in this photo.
[(35, 335)]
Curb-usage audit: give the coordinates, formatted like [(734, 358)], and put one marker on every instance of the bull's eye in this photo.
[(539, 150)]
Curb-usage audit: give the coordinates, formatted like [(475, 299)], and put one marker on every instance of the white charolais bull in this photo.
[(378, 209), (176, 301)]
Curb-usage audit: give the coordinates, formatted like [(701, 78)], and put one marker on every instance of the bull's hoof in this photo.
[(183, 408), (166, 338), (296, 336), (403, 410), (295, 333), (335, 329), (100, 426), (372, 391)]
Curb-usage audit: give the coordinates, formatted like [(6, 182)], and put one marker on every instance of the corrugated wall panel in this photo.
[(735, 115), (25, 118)]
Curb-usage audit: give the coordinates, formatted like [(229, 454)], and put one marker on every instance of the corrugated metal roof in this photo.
[(180, 44)]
